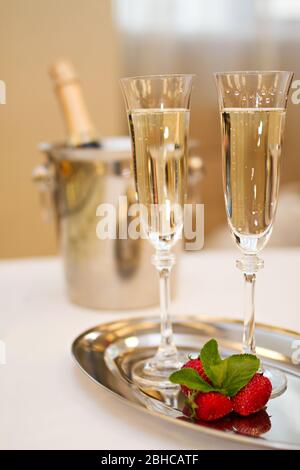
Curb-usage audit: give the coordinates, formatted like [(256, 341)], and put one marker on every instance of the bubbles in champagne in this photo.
[(159, 152), (252, 142)]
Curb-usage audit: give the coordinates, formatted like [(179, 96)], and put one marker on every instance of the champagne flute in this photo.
[(253, 109), (158, 116)]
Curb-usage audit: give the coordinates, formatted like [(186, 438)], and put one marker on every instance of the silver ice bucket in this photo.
[(101, 274)]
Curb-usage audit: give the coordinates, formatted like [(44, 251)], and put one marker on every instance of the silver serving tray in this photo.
[(106, 353)]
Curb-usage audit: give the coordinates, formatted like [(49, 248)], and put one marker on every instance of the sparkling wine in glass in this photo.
[(158, 116), (160, 170), (253, 108)]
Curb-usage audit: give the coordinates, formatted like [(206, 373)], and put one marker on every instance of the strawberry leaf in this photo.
[(191, 379)]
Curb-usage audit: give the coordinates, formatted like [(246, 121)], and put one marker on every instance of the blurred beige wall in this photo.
[(34, 33)]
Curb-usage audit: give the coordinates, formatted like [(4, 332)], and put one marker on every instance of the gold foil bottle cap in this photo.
[(63, 72), (80, 128)]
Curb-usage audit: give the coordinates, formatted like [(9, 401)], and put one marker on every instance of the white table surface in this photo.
[(46, 402)]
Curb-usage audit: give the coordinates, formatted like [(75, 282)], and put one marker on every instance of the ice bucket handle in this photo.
[(43, 178)]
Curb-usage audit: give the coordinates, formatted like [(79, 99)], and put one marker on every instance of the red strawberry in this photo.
[(195, 364), (253, 396), (212, 405), (253, 425)]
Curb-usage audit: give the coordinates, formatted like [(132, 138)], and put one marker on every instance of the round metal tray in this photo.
[(106, 354)]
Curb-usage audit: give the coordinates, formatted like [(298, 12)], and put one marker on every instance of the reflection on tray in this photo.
[(254, 425)]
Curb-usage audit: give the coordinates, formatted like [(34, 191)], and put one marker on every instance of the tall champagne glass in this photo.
[(253, 109), (158, 116)]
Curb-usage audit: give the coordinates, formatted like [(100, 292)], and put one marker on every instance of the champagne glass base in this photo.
[(278, 380), (154, 374)]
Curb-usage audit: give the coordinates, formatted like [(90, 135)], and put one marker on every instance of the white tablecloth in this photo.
[(45, 400)]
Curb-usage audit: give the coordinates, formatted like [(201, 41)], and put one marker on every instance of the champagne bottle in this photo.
[(80, 128)]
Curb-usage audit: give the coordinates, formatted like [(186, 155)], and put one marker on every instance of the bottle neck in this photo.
[(81, 131)]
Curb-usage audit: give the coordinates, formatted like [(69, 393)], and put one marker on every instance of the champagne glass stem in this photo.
[(249, 313), (166, 355), (249, 265), (166, 326)]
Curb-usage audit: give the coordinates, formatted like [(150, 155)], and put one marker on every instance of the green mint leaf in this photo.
[(227, 376), (230, 374), (218, 374), (210, 357), (240, 368), (191, 379)]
